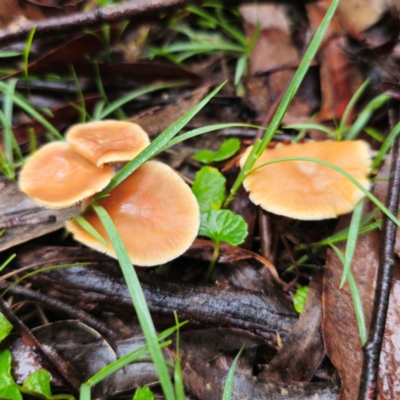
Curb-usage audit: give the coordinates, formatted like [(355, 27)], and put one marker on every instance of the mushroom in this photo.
[(305, 190), (108, 141), (154, 211), (56, 176)]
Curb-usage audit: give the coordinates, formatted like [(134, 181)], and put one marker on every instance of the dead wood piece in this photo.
[(100, 286), (92, 288)]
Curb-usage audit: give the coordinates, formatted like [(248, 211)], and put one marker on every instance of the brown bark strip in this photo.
[(142, 8), (90, 288)]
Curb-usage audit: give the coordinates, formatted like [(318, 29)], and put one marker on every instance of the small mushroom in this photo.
[(154, 211), (305, 190), (56, 176), (108, 141)]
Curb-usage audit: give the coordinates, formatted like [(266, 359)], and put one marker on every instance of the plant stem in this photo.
[(212, 262), (286, 100)]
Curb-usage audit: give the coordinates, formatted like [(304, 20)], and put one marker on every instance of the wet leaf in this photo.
[(303, 350), (8, 388), (223, 226), (227, 149), (339, 327), (209, 189), (5, 327), (206, 360)]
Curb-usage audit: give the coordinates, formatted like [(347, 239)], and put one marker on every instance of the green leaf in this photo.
[(204, 156), (5, 327), (8, 388), (143, 393), (10, 393), (300, 298), (228, 148), (39, 382), (223, 226), (209, 189)]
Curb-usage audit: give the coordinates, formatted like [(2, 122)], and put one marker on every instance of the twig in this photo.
[(372, 350), (70, 310), (142, 8)]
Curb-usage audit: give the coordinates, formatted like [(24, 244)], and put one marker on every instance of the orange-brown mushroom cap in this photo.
[(108, 141), (155, 213), (56, 176), (305, 190)]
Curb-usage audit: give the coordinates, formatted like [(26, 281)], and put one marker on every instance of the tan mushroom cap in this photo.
[(56, 176), (306, 190), (108, 141), (155, 213)]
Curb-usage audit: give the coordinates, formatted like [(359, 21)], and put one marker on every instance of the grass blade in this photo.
[(205, 129), (343, 234), (287, 98), (27, 50), (240, 68), (365, 115), (156, 145), (310, 125), (88, 227), (355, 295), (178, 380), (139, 302), (133, 95), (386, 146), (228, 388), (84, 392), (21, 102), (129, 358), (341, 171), (349, 108), (351, 241)]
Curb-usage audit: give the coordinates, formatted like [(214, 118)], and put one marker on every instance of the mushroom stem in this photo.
[(214, 259)]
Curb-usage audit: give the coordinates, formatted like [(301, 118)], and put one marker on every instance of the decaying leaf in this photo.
[(339, 326)]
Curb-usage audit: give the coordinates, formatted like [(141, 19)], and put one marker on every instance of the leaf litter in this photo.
[(247, 288)]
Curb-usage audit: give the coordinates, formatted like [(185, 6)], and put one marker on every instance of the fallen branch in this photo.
[(142, 8)]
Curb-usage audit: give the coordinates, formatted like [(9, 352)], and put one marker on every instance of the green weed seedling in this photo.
[(216, 224), (227, 149)]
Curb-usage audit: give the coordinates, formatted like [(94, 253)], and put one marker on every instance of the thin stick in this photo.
[(71, 311), (372, 350), (51, 26)]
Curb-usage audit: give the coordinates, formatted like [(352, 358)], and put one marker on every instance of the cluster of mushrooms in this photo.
[(155, 211)]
